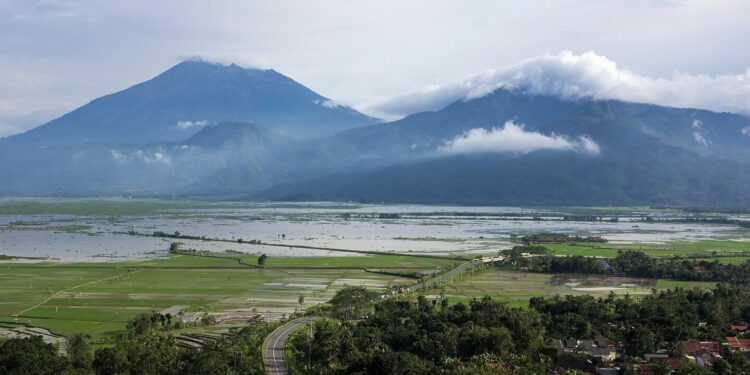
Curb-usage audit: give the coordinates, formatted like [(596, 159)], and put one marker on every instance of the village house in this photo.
[(647, 368), (736, 344), (738, 328), (602, 350), (702, 353)]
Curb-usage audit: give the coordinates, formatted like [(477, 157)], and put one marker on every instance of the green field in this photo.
[(369, 261), (733, 250), (97, 206), (669, 284), (518, 287), (99, 298), (114, 206)]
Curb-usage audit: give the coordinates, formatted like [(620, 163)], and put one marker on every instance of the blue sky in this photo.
[(58, 55)]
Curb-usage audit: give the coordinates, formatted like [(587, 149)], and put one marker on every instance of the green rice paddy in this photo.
[(517, 287), (732, 250), (99, 298)]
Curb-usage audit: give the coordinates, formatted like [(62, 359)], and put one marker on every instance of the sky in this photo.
[(386, 58)]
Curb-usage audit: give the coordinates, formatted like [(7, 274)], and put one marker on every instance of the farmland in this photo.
[(726, 251), (91, 265), (518, 287), (99, 298)]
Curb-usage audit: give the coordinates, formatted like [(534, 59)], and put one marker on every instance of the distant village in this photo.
[(602, 356)]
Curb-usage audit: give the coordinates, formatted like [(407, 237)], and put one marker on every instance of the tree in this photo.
[(174, 247), (79, 351), (722, 367), (660, 368), (691, 369), (31, 355), (301, 299), (262, 260), (476, 340), (349, 301), (110, 361), (150, 353)]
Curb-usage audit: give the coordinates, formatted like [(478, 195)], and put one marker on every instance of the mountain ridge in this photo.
[(172, 105), (217, 144)]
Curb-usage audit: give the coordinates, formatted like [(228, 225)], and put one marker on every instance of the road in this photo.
[(441, 278), (273, 348), (273, 357)]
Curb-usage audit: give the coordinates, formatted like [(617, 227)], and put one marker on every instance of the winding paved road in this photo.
[(273, 348)]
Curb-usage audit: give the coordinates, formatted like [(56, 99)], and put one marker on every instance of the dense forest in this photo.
[(489, 337)]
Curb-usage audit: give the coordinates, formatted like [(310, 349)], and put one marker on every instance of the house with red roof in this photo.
[(737, 344)]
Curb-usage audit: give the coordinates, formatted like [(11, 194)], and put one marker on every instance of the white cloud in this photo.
[(588, 75), (700, 138), (246, 62), (746, 131), (328, 103), (588, 145), (699, 134), (71, 50), (513, 138), (117, 155), (157, 157), (185, 124)]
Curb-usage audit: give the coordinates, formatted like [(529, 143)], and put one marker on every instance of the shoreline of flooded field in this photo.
[(81, 233)]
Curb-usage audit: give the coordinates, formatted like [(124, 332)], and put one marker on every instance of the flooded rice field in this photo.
[(97, 229)]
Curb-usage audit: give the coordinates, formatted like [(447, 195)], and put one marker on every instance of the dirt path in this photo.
[(72, 288)]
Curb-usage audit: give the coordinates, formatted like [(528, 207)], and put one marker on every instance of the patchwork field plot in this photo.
[(99, 298), (103, 271), (518, 287)]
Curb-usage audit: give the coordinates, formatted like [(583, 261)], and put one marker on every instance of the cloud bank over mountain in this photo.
[(513, 138), (588, 75)]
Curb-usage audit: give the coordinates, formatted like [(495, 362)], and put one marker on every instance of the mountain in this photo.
[(156, 168), (648, 155), (215, 130), (418, 135), (177, 103), (662, 176), (166, 134)]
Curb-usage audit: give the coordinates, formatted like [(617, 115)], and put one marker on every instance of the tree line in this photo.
[(144, 348), (630, 263), (486, 336)]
